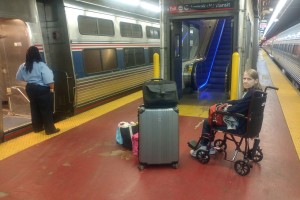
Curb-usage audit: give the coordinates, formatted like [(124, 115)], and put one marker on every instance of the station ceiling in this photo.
[(289, 16)]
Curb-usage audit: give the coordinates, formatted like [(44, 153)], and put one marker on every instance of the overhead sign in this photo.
[(201, 7)]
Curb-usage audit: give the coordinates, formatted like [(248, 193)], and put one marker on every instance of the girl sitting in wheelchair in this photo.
[(230, 124)]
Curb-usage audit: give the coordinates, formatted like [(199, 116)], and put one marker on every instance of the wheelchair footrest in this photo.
[(192, 144)]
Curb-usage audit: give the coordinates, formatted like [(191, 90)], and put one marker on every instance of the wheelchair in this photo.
[(249, 152)]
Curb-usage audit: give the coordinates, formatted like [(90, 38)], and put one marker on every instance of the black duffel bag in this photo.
[(159, 93)]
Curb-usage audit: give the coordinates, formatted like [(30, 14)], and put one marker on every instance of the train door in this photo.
[(57, 53), (176, 54), (14, 41)]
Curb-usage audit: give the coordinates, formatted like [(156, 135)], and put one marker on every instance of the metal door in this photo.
[(14, 41), (176, 54)]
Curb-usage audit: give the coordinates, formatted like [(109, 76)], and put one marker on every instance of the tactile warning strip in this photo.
[(289, 99), (18, 144)]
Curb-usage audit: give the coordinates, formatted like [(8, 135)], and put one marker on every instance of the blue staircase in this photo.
[(210, 75)]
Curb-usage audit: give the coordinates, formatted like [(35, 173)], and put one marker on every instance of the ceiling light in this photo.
[(277, 10), (130, 2), (150, 6)]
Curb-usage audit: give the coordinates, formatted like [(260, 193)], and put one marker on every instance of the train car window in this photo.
[(134, 57), (99, 60), (296, 50), (152, 51), (286, 47), (87, 25), (125, 29), (152, 32), (281, 47), (109, 59), (106, 27), (129, 57), (290, 47), (131, 30), (92, 61), (137, 31), (139, 56), (95, 26)]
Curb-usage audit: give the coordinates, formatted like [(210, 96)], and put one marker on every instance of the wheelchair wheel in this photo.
[(258, 156), (220, 144), (242, 167), (203, 156)]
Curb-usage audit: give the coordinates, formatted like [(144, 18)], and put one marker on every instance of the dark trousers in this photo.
[(41, 106), (208, 135)]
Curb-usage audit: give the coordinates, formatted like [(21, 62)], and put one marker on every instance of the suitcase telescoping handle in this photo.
[(156, 79)]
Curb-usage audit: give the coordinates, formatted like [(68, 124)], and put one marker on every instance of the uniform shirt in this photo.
[(41, 74)]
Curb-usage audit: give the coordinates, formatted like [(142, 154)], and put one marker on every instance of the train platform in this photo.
[(83, 161)]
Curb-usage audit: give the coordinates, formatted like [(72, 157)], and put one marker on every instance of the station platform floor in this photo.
[(83, 160)]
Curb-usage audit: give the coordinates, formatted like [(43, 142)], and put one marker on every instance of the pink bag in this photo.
[(135, 144)]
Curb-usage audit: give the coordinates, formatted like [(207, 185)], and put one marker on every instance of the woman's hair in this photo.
[(253, 74), (32, 55)]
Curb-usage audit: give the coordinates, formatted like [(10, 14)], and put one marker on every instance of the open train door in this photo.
[(176, 54), (14, 42)]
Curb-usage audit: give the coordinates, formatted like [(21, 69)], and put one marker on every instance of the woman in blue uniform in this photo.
[(233, 125), (39, 89)]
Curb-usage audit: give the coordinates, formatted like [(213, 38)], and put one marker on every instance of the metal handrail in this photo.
[(18, 89)]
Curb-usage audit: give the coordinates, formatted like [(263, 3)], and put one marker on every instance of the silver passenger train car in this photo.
[(96, 50), (285, 50)]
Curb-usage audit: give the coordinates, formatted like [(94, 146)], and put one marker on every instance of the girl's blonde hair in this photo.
[(253, 74)]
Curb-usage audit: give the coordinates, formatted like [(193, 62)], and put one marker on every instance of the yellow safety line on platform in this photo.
[(193, 110), (289, 99), (18, 144)]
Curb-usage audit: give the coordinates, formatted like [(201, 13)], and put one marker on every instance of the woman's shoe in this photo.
[(52, 132), (38, 130)]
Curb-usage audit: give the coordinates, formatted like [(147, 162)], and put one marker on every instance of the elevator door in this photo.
[(176, 55)]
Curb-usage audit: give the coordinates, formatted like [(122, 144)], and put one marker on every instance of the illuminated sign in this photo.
[(201, 7)]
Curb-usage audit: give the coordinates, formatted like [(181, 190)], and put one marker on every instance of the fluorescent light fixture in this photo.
[(150, 6), (130, 2), (277, 10)]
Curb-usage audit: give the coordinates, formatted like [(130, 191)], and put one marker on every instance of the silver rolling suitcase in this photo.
[(158, 136)]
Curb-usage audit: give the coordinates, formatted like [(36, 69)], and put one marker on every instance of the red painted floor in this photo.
[(86, 163)]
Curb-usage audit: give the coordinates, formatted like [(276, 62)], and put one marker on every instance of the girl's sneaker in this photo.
[(212, 151)]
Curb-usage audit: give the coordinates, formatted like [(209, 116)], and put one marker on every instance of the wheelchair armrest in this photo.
[(231, 114)]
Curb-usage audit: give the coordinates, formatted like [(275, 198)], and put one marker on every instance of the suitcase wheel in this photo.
[(175, 165), (141, 167)]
